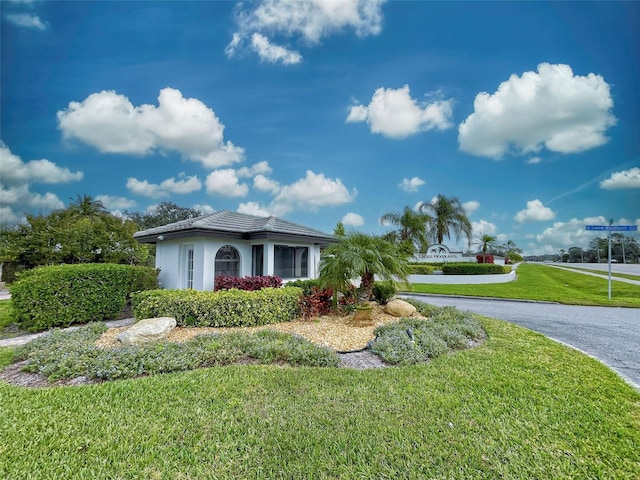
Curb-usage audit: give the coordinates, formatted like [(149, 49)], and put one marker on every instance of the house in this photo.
[(191, 253)]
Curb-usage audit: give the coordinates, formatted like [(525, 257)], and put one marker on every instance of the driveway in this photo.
[(610, 334)]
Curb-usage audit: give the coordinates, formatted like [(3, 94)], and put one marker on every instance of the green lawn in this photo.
[(602, 272), (5, 313), (545, 283), (519, 406)]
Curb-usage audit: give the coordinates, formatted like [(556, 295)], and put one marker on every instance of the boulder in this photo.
[(400, 308), (147, 330)]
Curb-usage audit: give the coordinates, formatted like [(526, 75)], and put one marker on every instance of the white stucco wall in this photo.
[(169, 260)]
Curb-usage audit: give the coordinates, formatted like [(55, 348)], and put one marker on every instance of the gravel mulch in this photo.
[(341, 334)]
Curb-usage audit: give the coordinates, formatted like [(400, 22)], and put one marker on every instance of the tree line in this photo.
[(83, 232)]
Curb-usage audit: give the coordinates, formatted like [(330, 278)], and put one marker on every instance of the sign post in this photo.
[(611, 228)]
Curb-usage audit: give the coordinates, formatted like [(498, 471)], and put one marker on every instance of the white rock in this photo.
[(400, 308), (147, 330)]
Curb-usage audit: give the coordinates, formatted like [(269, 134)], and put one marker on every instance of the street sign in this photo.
[(613, 228)]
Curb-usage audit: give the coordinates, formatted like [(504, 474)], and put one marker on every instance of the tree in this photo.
[(412, 231), (85, 205), (81, 233), (163, 214), (339, 231), (486, 241), (512, 252), (448, 216), (359, 255)]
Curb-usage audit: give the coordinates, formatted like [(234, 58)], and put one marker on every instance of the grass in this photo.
[(544, 283), (603, 272), (5, 314), (519, 406)]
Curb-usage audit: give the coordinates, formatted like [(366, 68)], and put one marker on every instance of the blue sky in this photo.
[(328, 111)]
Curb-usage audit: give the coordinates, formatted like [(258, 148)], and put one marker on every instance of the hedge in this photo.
[(224, 308), (421, 269), (59, 295), (474, 269), (224, 282)]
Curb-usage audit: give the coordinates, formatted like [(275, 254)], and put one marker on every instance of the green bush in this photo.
[(384, 291), (224, 308), (421, 269), (468, 268), (411, 341), (305, 285), (60, 295), (142, 278), (82, 358)]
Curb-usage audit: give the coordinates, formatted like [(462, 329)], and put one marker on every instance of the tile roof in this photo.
[(225, 221)]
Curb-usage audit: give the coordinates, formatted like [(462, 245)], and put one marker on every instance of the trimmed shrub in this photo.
[(142, 278), (59, 295), (225, 308), (411, 341), (421, 269), (484, 258), (384, 291), (472, 269), (246, 283)]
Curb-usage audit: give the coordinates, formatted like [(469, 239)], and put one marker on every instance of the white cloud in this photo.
[(20, 197), (534, 160), (352, 220), (483, 227), (26, 20), (255, 169), (115, 203), (13, 171), (272, 53), (8, 216), (166, 188), (565, 235), (394, 114), (471, 206), (16, 178), (411, 185), (624, 179), (226, 183), (535, 212), (551, 108), (253, 208), (309, 21), (204, 208), (109, 122), (265, 184), (310, 193)]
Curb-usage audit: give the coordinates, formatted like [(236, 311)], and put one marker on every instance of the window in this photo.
[(291, 262), (187, 266), (257, 260), (227, 262)]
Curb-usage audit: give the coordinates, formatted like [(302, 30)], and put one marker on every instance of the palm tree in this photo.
[(486, 241), (449, 215), (413, 228), (364, 256), (85, 205)]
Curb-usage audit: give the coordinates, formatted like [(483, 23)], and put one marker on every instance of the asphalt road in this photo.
[(610, 334)]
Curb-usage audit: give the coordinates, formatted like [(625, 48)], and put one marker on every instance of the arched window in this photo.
[(227, 262)]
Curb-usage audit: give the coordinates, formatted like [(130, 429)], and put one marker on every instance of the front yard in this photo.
[(518, 406)]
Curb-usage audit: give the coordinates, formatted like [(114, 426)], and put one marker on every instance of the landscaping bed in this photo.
[(341, 334)]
